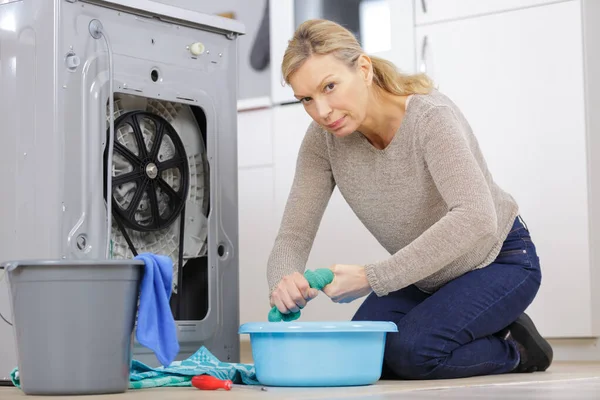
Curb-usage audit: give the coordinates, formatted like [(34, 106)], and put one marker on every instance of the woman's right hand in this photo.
[(292, 293)]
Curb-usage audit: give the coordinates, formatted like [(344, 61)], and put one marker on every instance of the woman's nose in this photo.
[(323, 109)]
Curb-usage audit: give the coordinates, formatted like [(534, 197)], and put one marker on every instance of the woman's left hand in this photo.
[(349, 283)]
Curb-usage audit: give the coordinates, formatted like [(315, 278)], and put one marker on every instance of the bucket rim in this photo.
[(318, 327), (12, 265)]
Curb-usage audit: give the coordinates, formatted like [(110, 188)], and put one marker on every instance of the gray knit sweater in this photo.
[(428, 198)]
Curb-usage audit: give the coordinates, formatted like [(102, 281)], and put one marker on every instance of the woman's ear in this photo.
[(365, 68)]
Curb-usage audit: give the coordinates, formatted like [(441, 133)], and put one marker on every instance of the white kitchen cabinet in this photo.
[(255, 137), (387, 26), (256, 237), (520, 79), (256, 196), (430, 11), (282, 27)]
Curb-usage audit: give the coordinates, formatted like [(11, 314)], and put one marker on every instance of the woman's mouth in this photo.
[(337, 123)]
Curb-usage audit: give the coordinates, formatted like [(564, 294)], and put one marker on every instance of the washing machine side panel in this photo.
[(31, 139), (226, 197), (30, 145), (82, 62), (84, 94)]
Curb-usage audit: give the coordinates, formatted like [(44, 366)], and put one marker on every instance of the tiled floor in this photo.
[(561, 381)]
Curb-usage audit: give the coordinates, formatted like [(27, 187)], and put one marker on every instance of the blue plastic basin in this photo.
[(345, 353)]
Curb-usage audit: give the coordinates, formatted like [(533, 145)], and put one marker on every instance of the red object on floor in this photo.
[(207, 382)]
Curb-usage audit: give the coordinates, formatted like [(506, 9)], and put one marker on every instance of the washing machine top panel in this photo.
[(206, 21)]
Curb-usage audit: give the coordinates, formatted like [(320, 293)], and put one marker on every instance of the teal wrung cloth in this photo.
[(180, 373), (317, 279)]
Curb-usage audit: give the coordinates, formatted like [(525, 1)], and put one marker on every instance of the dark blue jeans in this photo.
[(454, 332)]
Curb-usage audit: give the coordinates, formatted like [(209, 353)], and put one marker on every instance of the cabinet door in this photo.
[(256, 236), (518, 77), (255, 137), (430, 11), (387, 29), (281, 26)]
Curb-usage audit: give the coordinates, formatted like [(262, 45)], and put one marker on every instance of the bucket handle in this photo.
[(4, 269)]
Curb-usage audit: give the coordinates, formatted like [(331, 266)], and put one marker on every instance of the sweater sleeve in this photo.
[(471, 213), (311, 190)]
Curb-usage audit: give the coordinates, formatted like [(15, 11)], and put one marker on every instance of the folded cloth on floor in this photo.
[(317, 279), (180, 373), (156, 327)]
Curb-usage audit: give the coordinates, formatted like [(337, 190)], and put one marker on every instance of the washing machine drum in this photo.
[(159, 169)]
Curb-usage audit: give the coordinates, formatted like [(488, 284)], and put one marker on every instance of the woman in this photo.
[(462, 266)]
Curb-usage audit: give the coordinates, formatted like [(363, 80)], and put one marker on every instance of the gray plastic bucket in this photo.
[(73, 322)]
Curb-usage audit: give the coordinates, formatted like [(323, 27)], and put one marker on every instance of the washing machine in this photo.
[(118, 129)]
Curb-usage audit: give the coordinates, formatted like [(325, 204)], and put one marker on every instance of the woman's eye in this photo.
[(330, 86), (305, 99)]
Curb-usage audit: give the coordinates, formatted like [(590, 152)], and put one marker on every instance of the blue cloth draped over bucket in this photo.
[(156, 328)]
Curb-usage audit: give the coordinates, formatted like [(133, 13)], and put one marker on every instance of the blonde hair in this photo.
[(321, 37)]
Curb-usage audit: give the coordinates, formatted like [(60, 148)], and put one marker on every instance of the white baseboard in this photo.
[(576, 349)]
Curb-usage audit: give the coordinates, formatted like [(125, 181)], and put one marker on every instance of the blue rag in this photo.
[(156, 327), (180, 373)]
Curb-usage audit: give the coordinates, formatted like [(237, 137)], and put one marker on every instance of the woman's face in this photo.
[(333, 94)]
